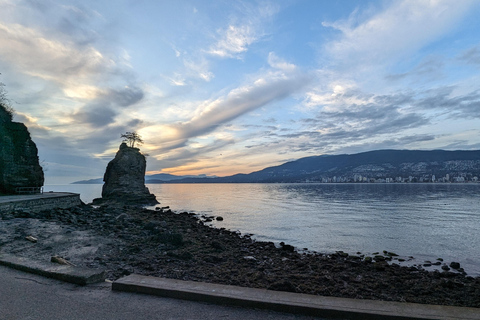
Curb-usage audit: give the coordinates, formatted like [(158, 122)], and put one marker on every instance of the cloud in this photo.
[(102, 110), (96, 115), (401, 29), (471, 56), (238, 36), (213, 114), (277, 63), (341, 124), (466, 106), (198, 68), (234, 40), (189, 156), (429, 68), (395, 143), (86, 87), (184, 143), (38, 55), (125, 97)]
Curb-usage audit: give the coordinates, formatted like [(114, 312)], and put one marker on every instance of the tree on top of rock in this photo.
[(6, 111), (132, 138)]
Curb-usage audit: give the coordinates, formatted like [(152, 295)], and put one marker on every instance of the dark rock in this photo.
[(283, 286), (125, 179), (122, 217), (219, 218), (380, 265), (19, 165), (342, 254), (287, 247), (151, 225), (183, 255), (455, 265), (172, 238), (217, 245), (249, 258)]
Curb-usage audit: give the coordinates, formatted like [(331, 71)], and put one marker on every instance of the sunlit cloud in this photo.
[(198, 69), (275, 62), (227, 87), (234, 40), (211, 115), (402, 28), (36, 54)]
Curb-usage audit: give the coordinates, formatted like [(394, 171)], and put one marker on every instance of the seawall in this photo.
[(39, 202)]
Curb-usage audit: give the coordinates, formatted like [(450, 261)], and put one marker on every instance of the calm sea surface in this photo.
[(426, 221)]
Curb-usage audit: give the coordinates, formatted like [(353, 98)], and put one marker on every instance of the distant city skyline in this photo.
[(225, 87)]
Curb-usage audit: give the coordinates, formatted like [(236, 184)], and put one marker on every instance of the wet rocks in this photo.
[(31, 239), (179, 246), (455, 265), (287, 247), (60, 260)]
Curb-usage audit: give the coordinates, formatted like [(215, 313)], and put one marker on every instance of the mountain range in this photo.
[(372, 166)]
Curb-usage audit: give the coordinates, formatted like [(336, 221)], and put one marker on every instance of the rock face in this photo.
[(19, 165), (125, 179)]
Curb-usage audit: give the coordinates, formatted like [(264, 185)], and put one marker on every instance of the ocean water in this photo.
[(426, 221)]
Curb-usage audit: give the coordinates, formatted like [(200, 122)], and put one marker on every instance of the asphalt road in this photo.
[(30, 297)]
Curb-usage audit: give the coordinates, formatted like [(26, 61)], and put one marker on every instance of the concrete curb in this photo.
[(76, 275), (289, 302)]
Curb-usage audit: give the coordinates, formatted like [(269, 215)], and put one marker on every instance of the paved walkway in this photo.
[(23, 197), (291, 302), (27, 296)]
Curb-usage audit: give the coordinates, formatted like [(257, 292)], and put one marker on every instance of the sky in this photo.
[(221, 87)]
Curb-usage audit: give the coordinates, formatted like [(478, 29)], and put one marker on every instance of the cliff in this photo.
[(19, 165), (125, 179)]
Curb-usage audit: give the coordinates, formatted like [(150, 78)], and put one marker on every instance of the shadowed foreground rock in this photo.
[(124, 240), (125, 179)]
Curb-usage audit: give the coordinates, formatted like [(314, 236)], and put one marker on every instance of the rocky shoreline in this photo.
[(124, 240)]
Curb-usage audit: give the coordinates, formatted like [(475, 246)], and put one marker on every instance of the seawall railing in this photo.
[(29, 190)]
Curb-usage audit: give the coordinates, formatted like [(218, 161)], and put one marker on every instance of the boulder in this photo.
[(125, 179), (455, 265)]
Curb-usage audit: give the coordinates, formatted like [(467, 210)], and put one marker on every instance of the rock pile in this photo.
[(124, 240), (125, 179)]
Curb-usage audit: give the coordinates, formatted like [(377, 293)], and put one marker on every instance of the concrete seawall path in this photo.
[(29, 296), (38, 202)]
